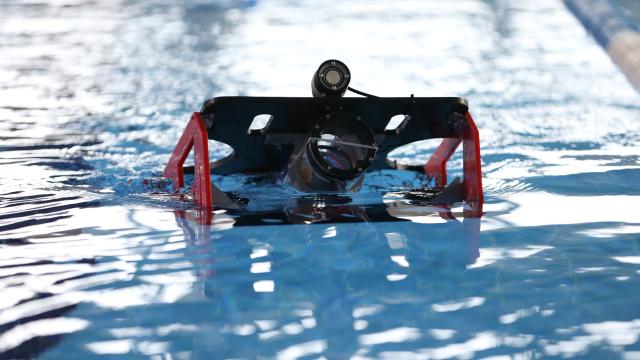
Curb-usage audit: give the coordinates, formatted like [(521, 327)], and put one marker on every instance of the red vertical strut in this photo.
[(193, 137), (472, 168), (436, 167)]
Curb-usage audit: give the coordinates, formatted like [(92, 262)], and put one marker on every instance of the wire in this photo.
[(361, 92)]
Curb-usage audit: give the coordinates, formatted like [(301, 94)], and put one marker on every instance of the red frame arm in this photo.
[(472, 168), (436, 167), (194, 137)]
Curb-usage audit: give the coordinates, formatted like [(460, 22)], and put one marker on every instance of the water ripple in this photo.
[(97, 260)]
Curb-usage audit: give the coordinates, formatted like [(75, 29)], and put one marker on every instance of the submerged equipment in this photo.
[(327, 143)]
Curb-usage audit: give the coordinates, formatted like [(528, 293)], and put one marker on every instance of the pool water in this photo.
[(98, 259)]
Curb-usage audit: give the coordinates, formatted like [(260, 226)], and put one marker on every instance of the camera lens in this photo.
[(341, 146), (331, 79), (333, 154)]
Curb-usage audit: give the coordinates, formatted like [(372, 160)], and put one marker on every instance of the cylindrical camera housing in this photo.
[(338, 151), (331, 79)]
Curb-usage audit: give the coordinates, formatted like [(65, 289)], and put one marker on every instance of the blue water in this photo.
[(98, 259)]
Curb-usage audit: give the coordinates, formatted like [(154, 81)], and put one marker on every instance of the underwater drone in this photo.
[(327, 143)]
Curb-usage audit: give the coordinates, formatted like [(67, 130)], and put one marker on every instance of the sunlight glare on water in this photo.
[(96, 258)]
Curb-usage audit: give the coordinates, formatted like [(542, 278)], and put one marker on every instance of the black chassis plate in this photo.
[(227, 120)]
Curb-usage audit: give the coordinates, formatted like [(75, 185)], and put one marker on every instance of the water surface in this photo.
[(96, 259)]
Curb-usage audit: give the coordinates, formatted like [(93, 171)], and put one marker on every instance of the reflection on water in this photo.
[(96, 258)]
